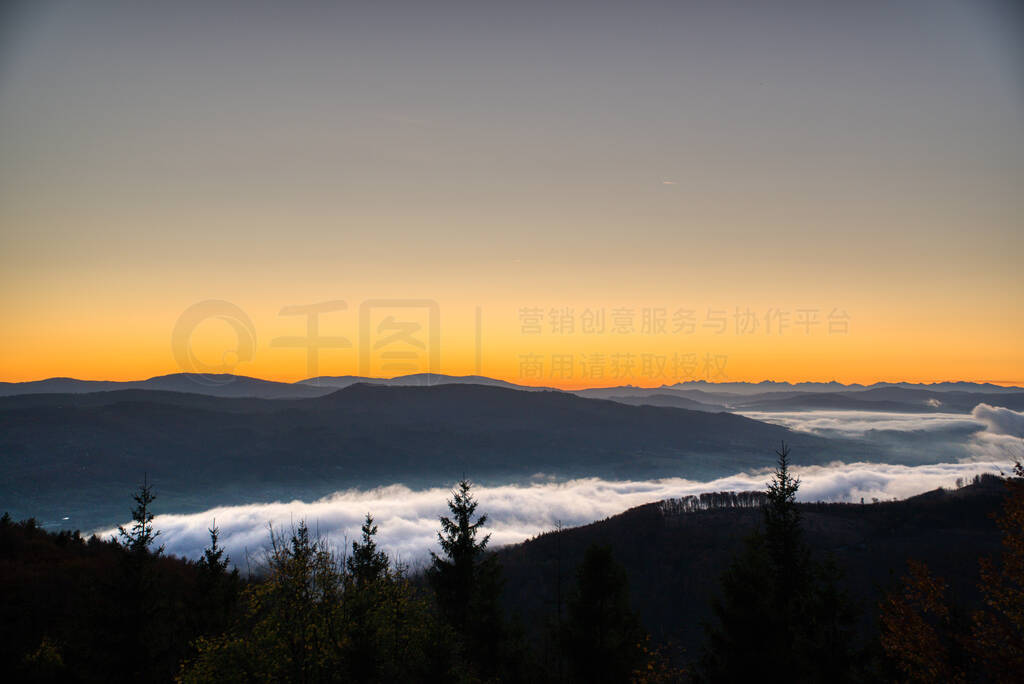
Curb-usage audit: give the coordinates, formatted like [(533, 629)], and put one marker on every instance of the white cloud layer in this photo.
[(408, 519), (999, 420), (859, 423), (987, 433)]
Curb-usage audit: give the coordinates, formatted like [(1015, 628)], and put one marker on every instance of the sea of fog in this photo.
[(408, 519)]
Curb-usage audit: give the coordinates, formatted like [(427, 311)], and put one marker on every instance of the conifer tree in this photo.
[(455, 575), (467, 581), (218, 587), (367, 564), (142, 599), (141, 535), (777, 604), (213, 560), (368, 572)]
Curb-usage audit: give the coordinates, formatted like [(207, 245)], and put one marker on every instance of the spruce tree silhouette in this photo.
[(777, 605), (218, 585), (213, 559), (141, 535), (367, 564), (143, 603), (467, 581), (366, 585)]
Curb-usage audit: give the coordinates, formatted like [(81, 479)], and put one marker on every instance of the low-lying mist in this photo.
[(408, 519), (987, 433)]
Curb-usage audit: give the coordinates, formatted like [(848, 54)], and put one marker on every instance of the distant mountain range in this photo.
[(225, 385), (891, 399), (713, 394), (212, 385), (772, 386), (418, 380)]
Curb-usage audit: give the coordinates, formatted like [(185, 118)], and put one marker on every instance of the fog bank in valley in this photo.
[(408, 519)]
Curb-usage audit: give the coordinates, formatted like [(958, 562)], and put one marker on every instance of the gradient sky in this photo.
[(858, 158)]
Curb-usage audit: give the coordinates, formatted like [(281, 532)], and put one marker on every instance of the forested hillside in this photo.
[(852, 591)]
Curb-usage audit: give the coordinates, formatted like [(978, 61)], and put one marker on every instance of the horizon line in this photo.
[(700, 381)]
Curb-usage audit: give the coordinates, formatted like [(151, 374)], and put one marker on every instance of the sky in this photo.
[(562, 193)]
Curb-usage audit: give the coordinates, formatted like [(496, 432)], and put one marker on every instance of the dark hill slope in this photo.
[(674, 560), (673, 400)]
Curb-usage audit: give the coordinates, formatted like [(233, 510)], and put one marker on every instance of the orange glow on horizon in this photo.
[(122, 343)]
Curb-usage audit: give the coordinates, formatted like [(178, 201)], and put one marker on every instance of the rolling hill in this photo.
[(80, 455)]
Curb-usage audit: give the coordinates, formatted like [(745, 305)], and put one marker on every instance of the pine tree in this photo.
[(143, 600), (782, 521), (467, 581), (218, 587), (366, 564), (777, 604), (455, 576), (141, 536), (368, 575), (214, 562)]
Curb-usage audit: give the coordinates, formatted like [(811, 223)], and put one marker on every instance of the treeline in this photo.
[(76, 609), (712, 500)]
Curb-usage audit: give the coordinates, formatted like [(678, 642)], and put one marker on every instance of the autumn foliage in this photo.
[(928, 638)]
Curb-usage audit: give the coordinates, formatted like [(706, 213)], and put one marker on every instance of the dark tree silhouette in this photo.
[(213, 560), (367, 564), (143, 600), (602, 638), (141, 535), (778, 605), (467, 581), (367, 584), (218, 586)]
